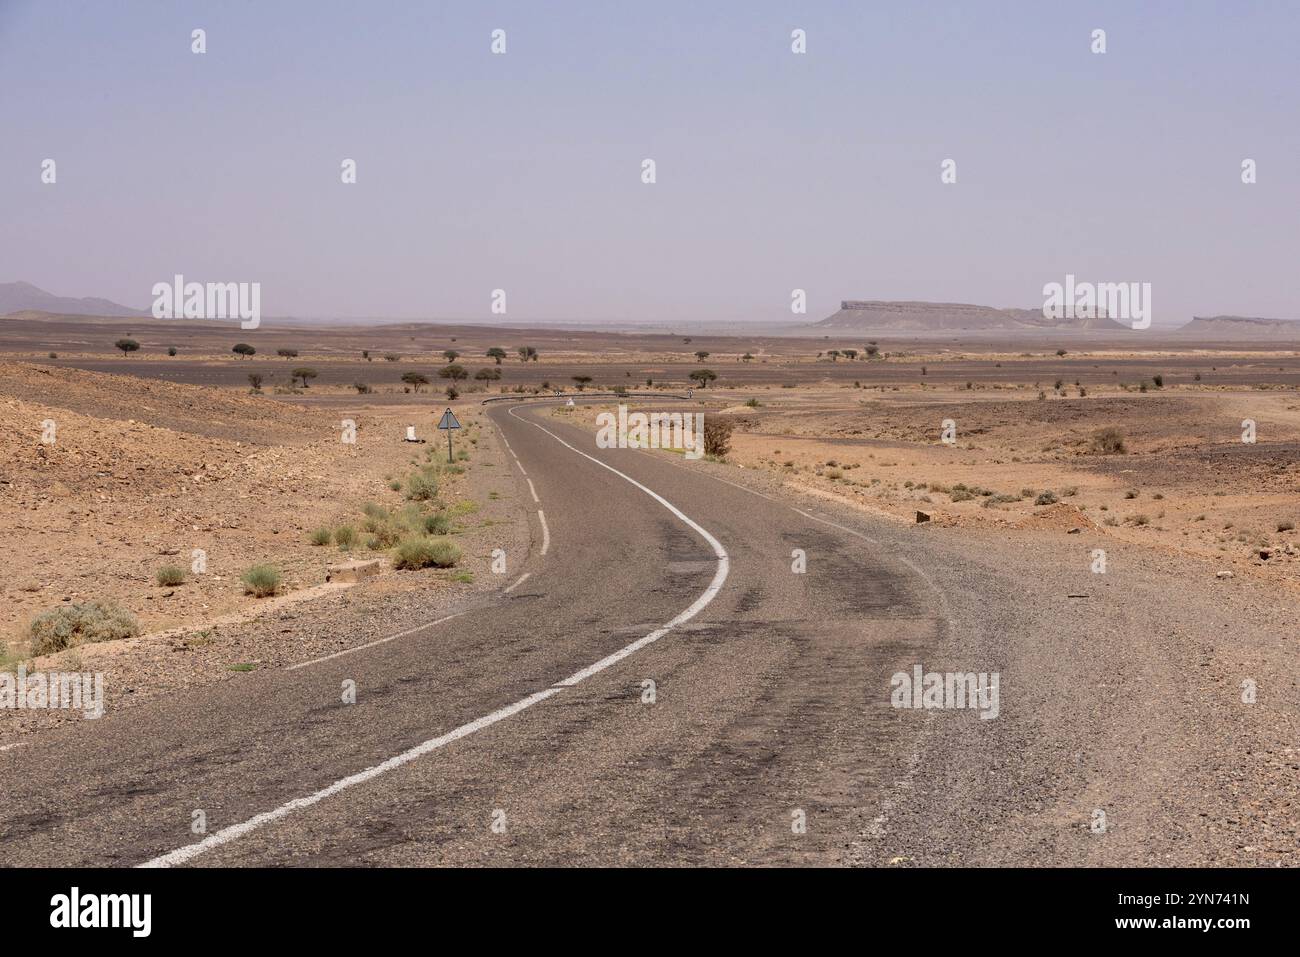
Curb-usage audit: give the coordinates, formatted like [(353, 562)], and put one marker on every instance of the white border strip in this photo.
[(371, 644)]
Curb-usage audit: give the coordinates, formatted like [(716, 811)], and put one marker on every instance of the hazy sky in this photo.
[(522, 171)]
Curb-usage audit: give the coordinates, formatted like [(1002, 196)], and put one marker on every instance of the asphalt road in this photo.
[(523, 731), (759, 711)]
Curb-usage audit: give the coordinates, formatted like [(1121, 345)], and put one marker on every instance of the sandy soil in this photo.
[(156, 456), (141, 473), (1185, 482)]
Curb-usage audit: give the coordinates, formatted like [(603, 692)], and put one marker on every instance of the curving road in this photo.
[(532, 712), (656, 685)]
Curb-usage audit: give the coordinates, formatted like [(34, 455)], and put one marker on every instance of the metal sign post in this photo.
[(448, 423)]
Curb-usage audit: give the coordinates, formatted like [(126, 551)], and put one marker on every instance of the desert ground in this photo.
[(157, 455), (1017, 456)]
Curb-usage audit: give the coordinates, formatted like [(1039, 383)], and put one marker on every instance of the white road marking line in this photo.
[(715, 586), (371, 644), (521, 466), (519, 581), (546, 532), (533, 490), (228, 834), (235, 831)]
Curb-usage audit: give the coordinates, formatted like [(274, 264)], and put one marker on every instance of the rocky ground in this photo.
[(140, 474)]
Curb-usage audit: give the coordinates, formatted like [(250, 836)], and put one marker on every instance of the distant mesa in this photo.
[(1240, 327), (894, 317), (24, 297)]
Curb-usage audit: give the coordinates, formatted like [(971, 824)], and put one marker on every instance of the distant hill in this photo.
[(1240, 327), (23, 296), (890, 317)]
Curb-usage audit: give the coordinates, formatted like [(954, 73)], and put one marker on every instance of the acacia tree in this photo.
[(701, 355), (526, 353), (287, 353), (304, 373), (704, 377), (487, 375), (453, 372), (497, 353), (415, 379), (244, 349), (127, 345), (451, 355), (582, 381), (255, 380)]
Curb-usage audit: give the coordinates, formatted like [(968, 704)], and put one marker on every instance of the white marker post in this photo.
[(448, 423)]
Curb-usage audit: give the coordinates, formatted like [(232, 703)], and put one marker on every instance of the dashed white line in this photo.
[(546, 532), (371, 644), (519, 581), (235, 831)]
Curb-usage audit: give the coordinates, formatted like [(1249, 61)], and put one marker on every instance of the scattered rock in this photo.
[(1223, 574), (352, 571), (922, 516)]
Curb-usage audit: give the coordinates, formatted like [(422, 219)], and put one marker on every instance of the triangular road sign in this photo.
[(448, 421)]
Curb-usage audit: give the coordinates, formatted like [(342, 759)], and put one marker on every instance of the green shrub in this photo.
[(437, 524), (321, 536), (345, 536), (421, 551), (261, 580), (80, 624), (421, 486), (170, 575), (386, 534), (1046, 497)]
